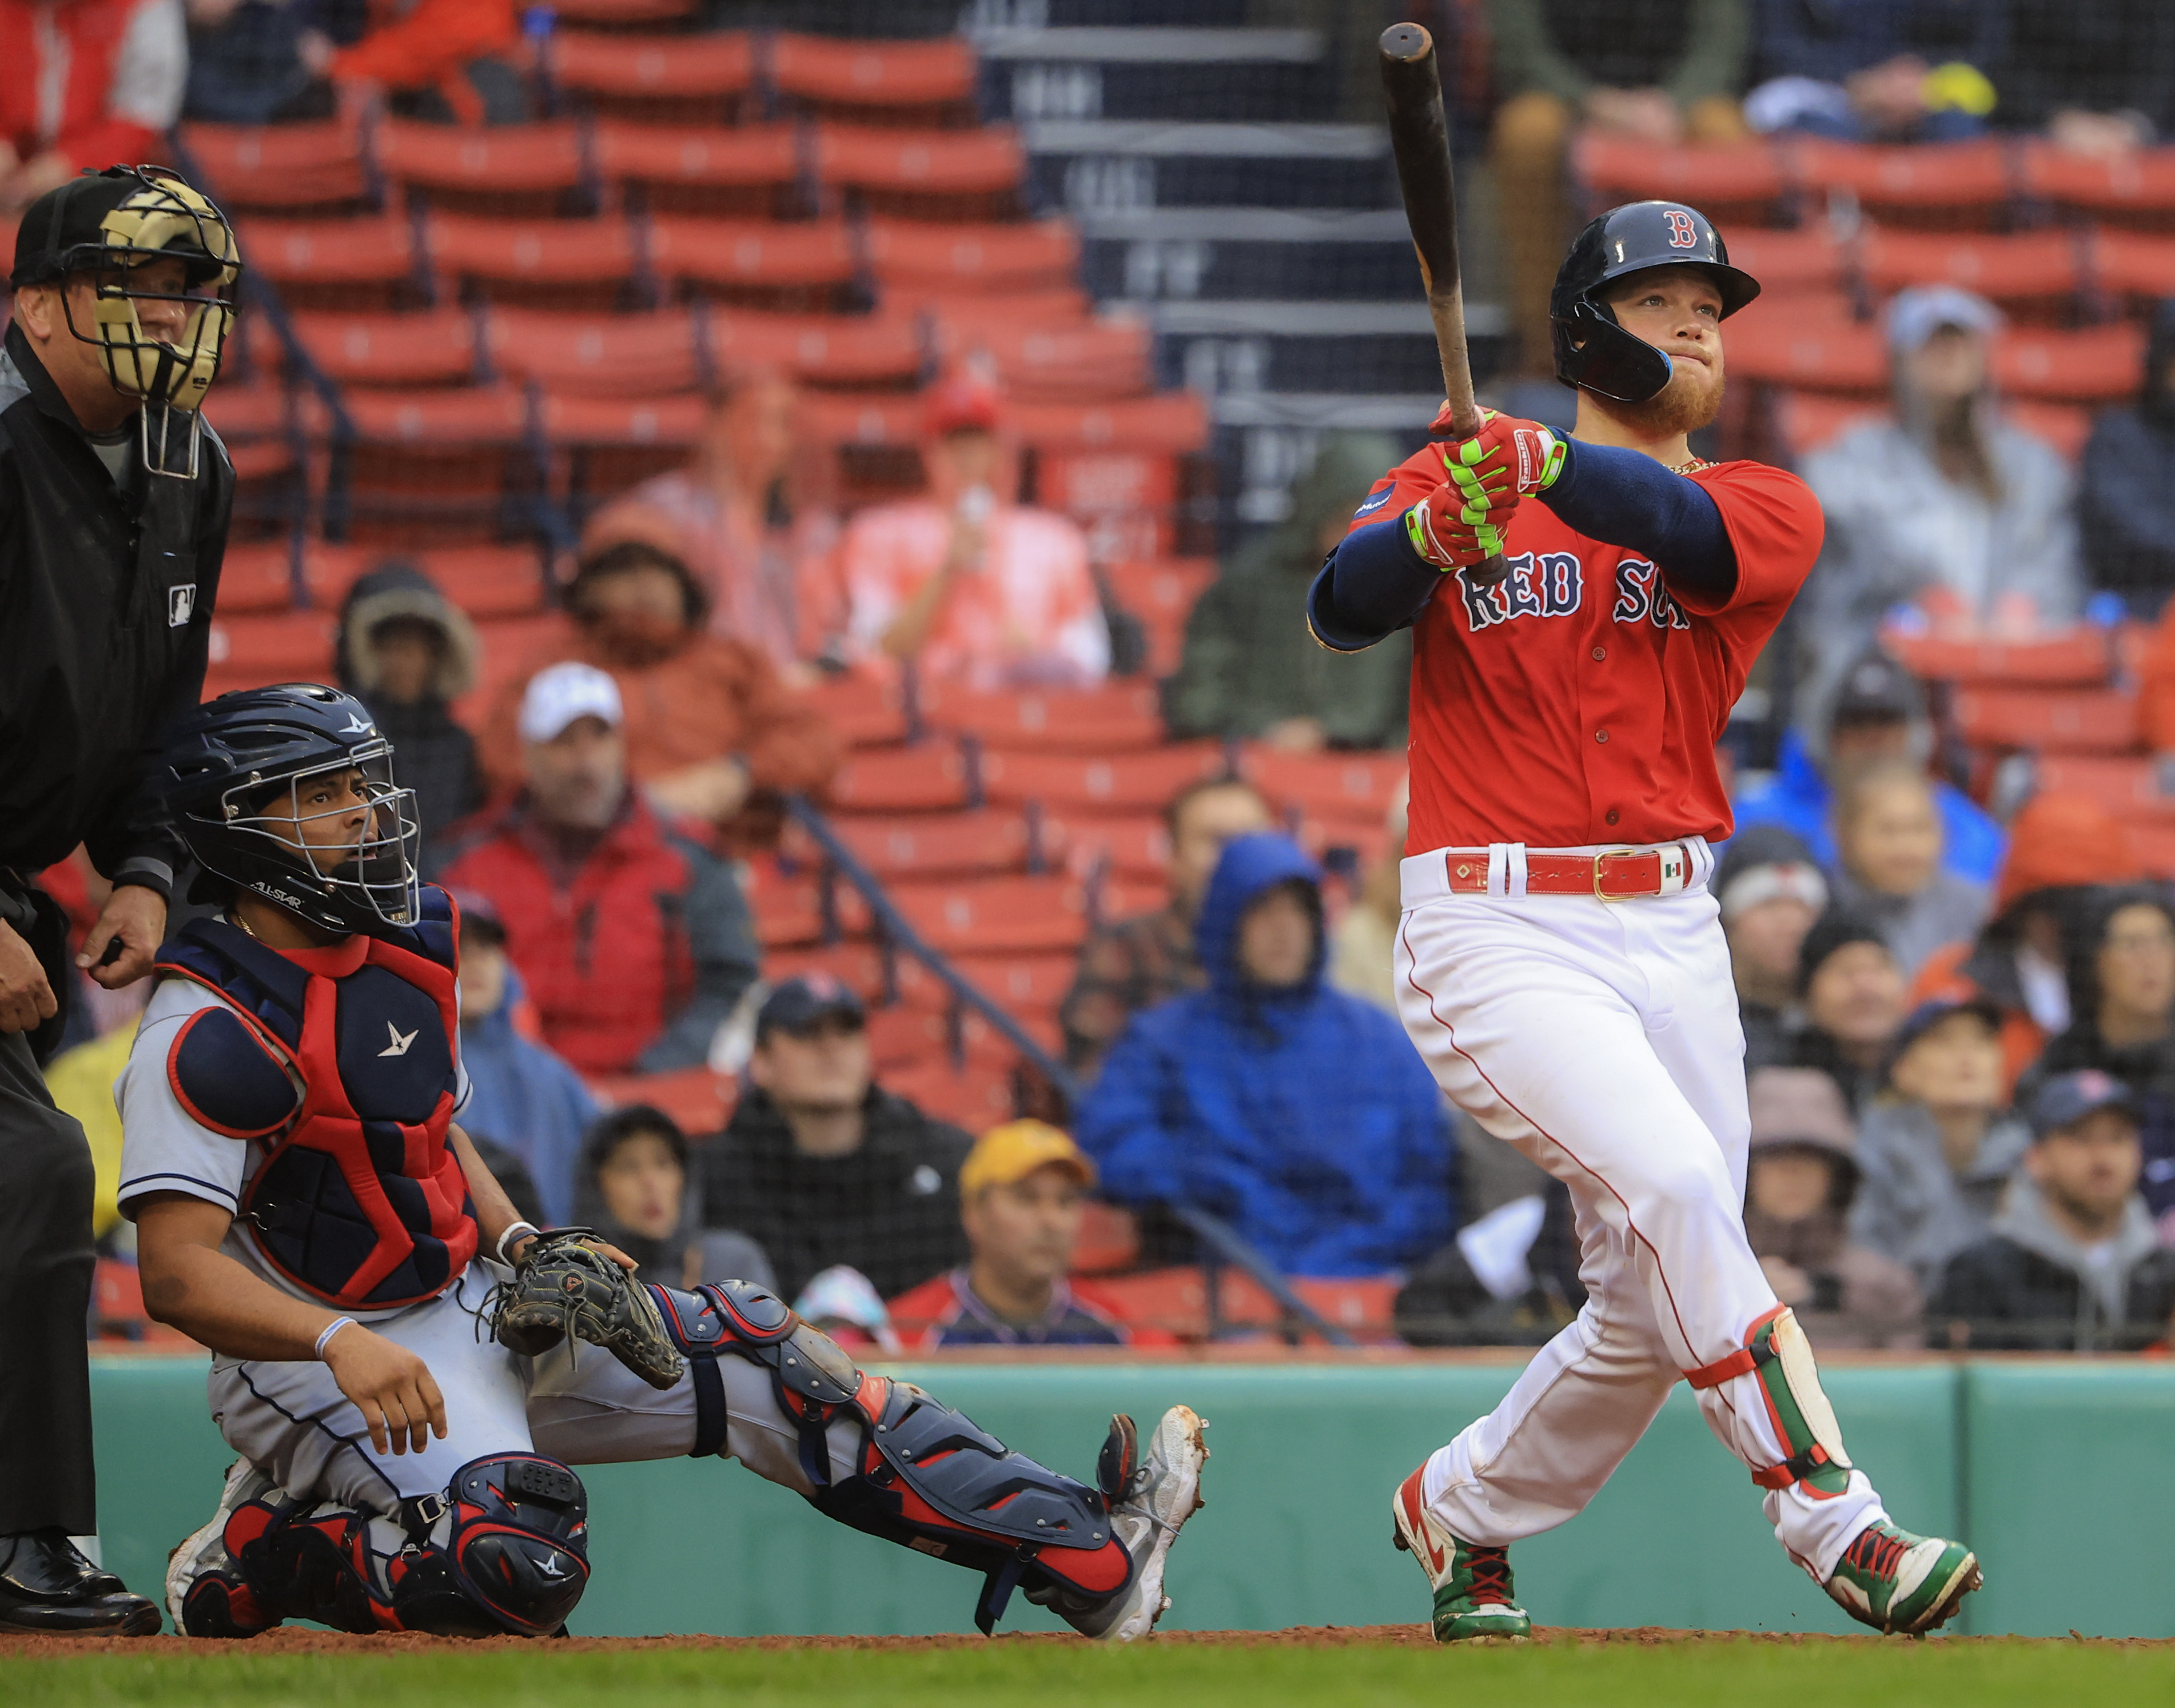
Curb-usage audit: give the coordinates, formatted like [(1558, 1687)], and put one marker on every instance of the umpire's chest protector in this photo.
[(339, 1063)]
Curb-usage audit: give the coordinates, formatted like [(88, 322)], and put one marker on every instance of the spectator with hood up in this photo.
[(2072, 1264), (1850, 994), (1888, 833), (1769, 892), (1252, 669), (1299, 1115), (2126, 506), (407, 652), (2059, 848)]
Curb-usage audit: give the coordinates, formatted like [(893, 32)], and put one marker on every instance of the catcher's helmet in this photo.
[(1591, 351), (231, 778)]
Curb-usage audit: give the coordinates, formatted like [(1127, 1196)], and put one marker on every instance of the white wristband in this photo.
[(332, 1328), (511, 1234)]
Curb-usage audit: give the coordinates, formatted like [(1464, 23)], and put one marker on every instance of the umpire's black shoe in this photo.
[(47, 1586)]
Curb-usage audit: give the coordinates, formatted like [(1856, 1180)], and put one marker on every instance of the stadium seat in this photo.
[(2093, 365), (910, 82), (1089, 363), (1132, 782), (288, 647), (1110, 1239), (1047, 307), (242, 414), (1332, 787), (975, 1097), (2153, 843), (2129, 787), (609, 444), (2038, 720), (1161, 588), (2133, 189), (867, 709), (1938, 186), (1789, 263), (2065, 426), (966, 259), (1033, 984), (642, 16), (572, 265), (1133, 849), (924, 175), (750, 173), (296, 170), (1807, 421), (873, 420), (931, 778), (901, 1037), (847, 353), (950, 845), (257, 578), (487, 581), (1174, 423), (1743, 181), (437, 468), (804, 268), (2078, 657), (360, 266), (2035, 273), (2137, 268), (992, 916), (655, 79), (1119, 717), (435, 348), (504, 171), (601, 356), (1817, 353), (700, 1101)]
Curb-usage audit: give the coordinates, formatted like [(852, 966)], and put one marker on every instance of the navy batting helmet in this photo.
[(1591, 351), (235, 779)]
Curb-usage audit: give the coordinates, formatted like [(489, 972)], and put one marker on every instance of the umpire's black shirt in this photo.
[(106, 579)]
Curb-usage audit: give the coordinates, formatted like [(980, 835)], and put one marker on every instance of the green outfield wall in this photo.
[(2061, 1473)]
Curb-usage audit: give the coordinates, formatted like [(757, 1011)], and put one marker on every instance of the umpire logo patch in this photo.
[(181, 604)]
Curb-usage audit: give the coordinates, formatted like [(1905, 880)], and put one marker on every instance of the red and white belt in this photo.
[(1511, 870)]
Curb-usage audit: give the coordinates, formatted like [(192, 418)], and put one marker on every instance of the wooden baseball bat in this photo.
[(1419, 138)]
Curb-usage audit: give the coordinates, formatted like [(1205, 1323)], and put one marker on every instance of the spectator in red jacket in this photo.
[(1022, 1193), (634, 942), (84, 83), (449, 61)]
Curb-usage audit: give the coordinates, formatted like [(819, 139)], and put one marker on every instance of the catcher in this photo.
[(407, 1369)]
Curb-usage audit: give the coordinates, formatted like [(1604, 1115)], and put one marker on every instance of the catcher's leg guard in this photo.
[(927, 1478), (503, 1550), (1778, 1355)]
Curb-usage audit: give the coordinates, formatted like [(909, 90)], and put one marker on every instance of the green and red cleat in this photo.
[(1473, 1597), (1902, 1584)]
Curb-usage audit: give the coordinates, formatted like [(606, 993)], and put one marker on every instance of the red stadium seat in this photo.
[(242, 412), (992, 916), (1018, 983), (949, 845), (1132, 782), (1807, 421), (924, 175), (1109, 1240), (801, 268), (2129, 787), (2135, 189), (2138, 267), (2065, 426), (436, 348), (1788, 263), (568, 264), (290, 647), (487, 581), (1946, 185), (2078, 657), (753, 172), (298, 169), (2095, 364), (507, 171), (2036, 270), (642, 16), (701, 1102), (929, 778), (1088, 363), (1121, 717), (867, 709), (435, 468), (862, 420), (601, 356), (657, 79), (1815, 354), (1326, 786), (2034, 719), (976, 1097), (1163, 588), (1740, 179), (835, 352), (257, 578), (1133, 849), (1171, 422), (928, 82), (610, 444), (2153, 843), (360, 265), (1049, 306), (966, 259)]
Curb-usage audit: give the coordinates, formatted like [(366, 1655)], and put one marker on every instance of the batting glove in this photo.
[(1506, 459), (1451, 535)]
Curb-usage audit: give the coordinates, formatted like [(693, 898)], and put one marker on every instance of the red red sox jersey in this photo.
[(1579, 700)]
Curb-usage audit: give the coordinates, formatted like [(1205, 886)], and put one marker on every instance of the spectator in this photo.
[(2122, 984), (820, 1166), (1252, 669), (1874, 71), (2059, 848), (1023, 1194), (633, 940), (1363, 949), (1769, 892), (246, 61), (968, 586), (1949, 507), (2072, 1264), (87, 83), (2095, 78), (735, 516), (1936, 1147), (450, 61), (1800, 1179), (710, 730), (1300, 1115), (637, 1190), (1874, 712), (2126, 508), (1510, 1278), (1888, 833), (521, 1097), (1134, 964), (1668, 74), (1850, 992), (407, 653)]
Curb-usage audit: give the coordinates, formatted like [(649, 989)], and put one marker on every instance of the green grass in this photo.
[(1980, 1674)]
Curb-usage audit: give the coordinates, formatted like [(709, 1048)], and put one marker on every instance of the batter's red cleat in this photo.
[(1474, 1599)]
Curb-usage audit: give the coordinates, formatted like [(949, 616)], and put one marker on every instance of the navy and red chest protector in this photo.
[(339, 1061)]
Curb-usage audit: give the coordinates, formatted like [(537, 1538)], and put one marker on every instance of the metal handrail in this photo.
[(1215, 1232)]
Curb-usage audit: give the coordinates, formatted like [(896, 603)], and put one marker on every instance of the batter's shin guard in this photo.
[(1778, 1354)]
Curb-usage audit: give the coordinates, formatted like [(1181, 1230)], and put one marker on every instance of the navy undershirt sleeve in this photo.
[(1373, 585)]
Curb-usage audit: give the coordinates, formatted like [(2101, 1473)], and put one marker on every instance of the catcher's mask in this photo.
[(112, 227)]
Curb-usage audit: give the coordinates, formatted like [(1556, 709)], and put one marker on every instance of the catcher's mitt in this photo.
[(562, 1285)]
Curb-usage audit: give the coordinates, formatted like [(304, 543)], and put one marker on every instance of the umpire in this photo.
[(114, 500)]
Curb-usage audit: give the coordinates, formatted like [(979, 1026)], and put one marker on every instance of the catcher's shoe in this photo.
[(1902, 1583), (1150, 1499), (205, 1595), (1474, 1598)]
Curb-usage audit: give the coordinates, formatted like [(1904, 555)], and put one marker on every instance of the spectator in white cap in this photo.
[(633, 940), (1948, 508), (1769, 890)]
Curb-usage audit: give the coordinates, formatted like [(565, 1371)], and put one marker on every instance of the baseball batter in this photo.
[(394, 1354), (1559, 963)]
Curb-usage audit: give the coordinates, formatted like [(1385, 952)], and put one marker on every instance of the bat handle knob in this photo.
[(1487, 573)]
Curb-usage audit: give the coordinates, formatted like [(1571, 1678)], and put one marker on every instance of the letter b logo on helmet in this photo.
[(1684, 233)]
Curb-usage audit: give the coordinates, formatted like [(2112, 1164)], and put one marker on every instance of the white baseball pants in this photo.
[(1602, 1040)]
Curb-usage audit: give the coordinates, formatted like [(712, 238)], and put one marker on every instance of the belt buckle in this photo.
[(1603, 895)]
